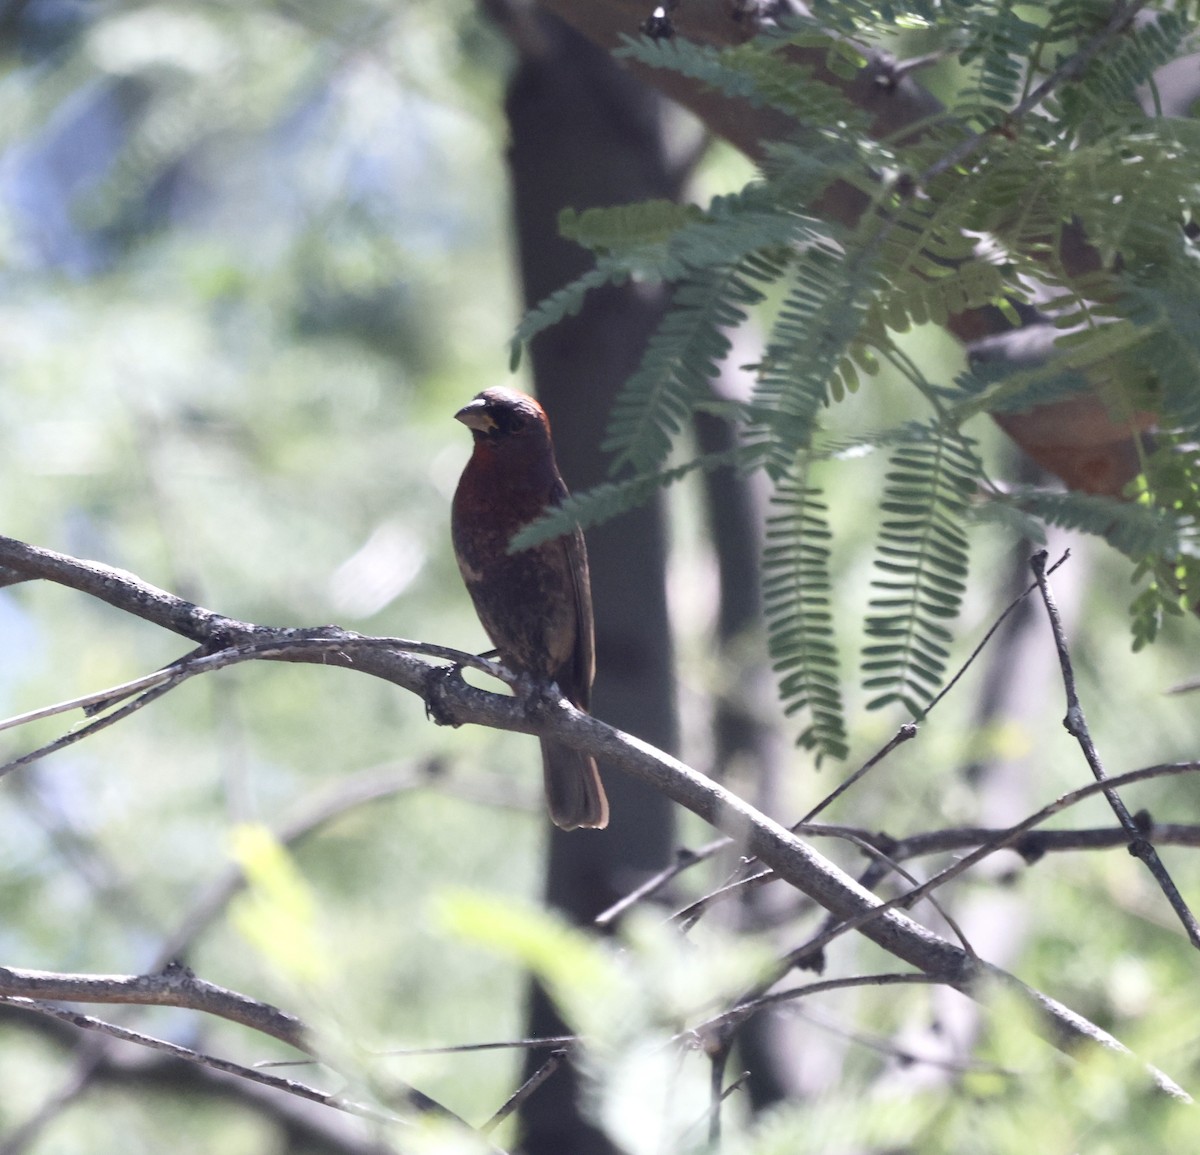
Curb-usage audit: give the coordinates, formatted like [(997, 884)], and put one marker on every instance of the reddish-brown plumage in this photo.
[(536, 605)]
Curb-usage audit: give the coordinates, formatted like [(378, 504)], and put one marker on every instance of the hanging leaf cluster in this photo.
[(1053, 125)]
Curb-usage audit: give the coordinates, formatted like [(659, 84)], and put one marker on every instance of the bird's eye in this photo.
[(509, 420)]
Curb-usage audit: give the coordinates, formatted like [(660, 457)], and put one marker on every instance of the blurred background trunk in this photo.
[(584, 133)]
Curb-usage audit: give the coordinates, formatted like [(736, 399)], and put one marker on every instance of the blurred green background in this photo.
[(252, 258)]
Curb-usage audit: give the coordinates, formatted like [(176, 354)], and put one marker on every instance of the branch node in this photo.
[(1074, 723), (1141, 848), (814, 961), (1031, 847)]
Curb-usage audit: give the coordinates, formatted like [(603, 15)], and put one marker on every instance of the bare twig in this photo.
[(112, 1030), (176, 986), (1001, 841), (455, 702), (1076, 725), (301, 1090), (905, 734), (690, 915), (718, 1058), (99, 697), (1031, 846), (902, 1054), (736, 1016), (684, 859), (558, 1042), (1123, 16), (523, 1092), (739, 879), (290, 645)]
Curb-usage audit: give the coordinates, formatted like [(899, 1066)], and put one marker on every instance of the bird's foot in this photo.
[(437, 682), (537, 696)]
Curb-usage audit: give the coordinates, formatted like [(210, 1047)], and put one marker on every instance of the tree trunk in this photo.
[(586, 133)]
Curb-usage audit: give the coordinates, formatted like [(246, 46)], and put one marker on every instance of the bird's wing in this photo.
[(583, 664)]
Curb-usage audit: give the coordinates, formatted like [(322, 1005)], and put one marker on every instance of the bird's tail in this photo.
[(574, 792)]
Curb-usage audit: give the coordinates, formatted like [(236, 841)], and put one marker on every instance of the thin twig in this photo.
[(309, 645), (1123, 16), (684, 860), (903, 1055), (730, 1089), (736, 1016), (1030, 847), (112, 1030), (905, 734), (454, 702), (112, 694), (1001, 841), (176, 986), (739, 878), (718, 1058), (93, 727), (690, 915), (991, 631), (1076, 725), (523, 1092), (559, 1042)]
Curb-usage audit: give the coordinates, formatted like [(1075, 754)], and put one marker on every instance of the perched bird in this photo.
[(536, 605)]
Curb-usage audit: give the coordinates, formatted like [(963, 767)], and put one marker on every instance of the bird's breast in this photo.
[(526, 600)]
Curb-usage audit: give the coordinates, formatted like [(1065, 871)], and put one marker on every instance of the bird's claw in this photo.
[(436, 681), (537, 696)]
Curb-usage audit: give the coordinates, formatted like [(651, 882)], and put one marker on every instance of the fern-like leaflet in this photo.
[(922, 557), (682, 356), (821, 317), (796, 588)]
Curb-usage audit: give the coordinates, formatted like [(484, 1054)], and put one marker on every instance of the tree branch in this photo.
[(1076, 725), (175, 986), (454, 702), (113, 1030)]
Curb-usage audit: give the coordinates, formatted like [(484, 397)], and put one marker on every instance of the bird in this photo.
[(535, 604)]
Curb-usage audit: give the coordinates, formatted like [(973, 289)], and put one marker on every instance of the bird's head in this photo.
[(504, 415)]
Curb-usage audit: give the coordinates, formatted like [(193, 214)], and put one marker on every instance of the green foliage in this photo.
[(1137, 529), (626, 1001), (922, 555), (1000, 42), (821, 317), (796, 588), (1043, 130), (682, 356), (758, 73), (564, 302), (626, 228), (603, 502), (1017, 1087)]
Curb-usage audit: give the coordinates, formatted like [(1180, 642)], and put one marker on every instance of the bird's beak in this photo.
[(475, 415)]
